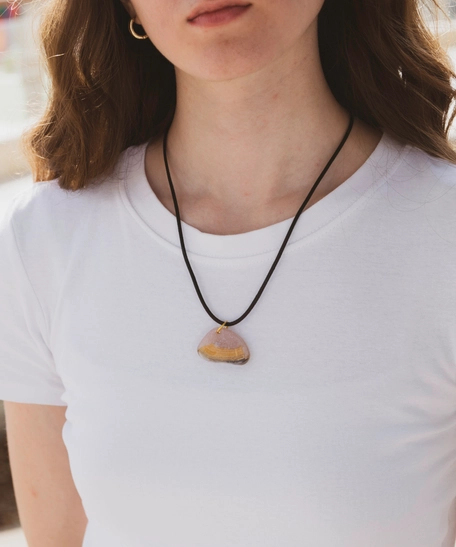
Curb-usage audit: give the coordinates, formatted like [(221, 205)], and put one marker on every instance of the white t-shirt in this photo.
[(341, 428)]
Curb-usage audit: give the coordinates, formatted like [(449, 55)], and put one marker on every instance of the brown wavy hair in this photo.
[(110, 91)]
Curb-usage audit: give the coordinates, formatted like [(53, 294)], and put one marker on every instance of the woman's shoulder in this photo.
[(424, 187), (419, 164), (44, 200), (419, 177), (45, 206), (43, 215)]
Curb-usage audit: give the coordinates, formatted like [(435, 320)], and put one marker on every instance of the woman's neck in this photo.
[(252, 147)]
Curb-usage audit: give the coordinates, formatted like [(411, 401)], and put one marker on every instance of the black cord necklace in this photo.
[(221, 344)]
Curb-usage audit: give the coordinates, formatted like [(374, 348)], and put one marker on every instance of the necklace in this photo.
[(221, 344)]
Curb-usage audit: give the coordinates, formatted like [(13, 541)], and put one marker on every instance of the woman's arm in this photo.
[(50, 509)]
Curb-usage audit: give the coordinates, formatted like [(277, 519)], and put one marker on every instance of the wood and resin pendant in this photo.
[(223, 345)]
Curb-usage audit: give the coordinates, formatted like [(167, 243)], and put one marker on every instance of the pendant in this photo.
[(223, 345)]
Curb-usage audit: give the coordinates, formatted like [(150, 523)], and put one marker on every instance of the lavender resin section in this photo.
[(225, 346)]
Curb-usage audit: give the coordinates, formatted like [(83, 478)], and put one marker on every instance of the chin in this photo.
[(220, 66)]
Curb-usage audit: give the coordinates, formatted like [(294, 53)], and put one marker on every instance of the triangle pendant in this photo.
[(223, 345)]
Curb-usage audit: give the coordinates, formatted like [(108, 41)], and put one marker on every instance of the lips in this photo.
[(214, 6)]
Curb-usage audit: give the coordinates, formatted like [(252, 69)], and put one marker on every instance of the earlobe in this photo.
[(131, 10)]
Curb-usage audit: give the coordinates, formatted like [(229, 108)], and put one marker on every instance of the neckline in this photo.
[(161, 224)]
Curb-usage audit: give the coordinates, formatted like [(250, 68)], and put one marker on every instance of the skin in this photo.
[(255, 121)]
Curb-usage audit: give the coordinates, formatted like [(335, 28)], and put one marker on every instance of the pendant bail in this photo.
[(221, 327)]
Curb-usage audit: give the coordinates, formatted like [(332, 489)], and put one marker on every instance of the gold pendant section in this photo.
[(223, 345)]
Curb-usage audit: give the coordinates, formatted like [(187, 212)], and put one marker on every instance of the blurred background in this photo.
[(22, 97)]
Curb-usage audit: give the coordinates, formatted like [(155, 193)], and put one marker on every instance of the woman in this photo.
[(266, 184)]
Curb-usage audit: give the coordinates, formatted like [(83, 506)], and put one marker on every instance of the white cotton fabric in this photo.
[(341, 428)]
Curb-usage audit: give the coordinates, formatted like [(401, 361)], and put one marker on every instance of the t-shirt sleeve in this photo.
[(27, 369)]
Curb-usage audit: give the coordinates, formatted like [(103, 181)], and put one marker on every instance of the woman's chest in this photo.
[(340, 427)]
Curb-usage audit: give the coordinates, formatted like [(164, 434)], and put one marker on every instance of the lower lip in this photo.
[(219, 17)]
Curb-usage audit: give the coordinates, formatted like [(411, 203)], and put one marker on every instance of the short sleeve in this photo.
[(27, 369)]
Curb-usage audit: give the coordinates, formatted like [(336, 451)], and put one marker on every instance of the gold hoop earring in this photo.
[(135, 34)]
